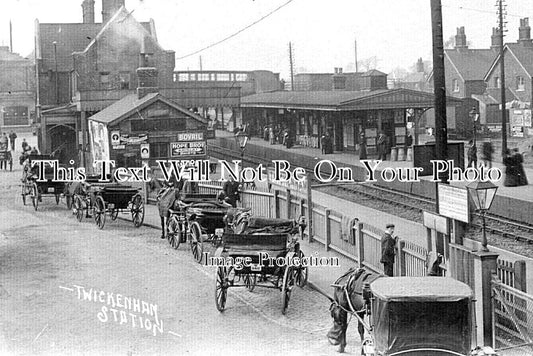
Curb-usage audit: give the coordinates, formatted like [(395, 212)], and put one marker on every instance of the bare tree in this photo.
[(367, 64)]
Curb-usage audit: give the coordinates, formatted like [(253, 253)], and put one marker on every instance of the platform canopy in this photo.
[(345, 100)]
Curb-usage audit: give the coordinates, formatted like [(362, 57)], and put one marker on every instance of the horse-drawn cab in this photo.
[(418, 316)]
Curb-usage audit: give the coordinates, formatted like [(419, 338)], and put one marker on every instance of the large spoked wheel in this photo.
[(34, 193), (77, 207), (197, 247), (113, 214), (221, 287), (300, 272), (174, 232), (99, 212), (250, 281), (137, 210), (24, 193), (286, 289)]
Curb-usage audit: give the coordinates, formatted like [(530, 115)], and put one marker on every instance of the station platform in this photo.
[(508, 202)]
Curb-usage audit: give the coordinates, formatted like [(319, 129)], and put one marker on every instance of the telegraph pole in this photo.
[(292, 66), (502, 78), (441, 134), (355, 44)]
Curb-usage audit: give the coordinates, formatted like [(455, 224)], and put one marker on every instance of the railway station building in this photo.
[(346, 116)]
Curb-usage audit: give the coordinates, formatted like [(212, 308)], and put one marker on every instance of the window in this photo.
[(104, 78), (455, 86), (241, 77), (223, 77), (15, 115), (203, 77), (497, 82), (520, 83), (124, 78), (172, 124), (159, 149)]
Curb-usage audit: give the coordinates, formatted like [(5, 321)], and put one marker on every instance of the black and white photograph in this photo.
[(266, 177)]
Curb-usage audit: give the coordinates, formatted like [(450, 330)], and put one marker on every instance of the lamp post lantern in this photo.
[(482, 194), (474, 115), (241, 138)]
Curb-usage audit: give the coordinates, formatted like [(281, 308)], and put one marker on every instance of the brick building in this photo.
[(354, 81), (17, 85)]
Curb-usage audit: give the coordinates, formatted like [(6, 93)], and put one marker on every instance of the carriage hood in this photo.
[(412, 313)]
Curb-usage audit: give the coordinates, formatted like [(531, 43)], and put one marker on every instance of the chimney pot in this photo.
[(88, 11), (460, 38), (524, 33)]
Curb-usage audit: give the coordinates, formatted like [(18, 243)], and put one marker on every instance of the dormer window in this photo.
[(455, 86), (520, 83)]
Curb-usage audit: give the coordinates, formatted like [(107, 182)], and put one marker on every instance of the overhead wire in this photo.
[(238, 32)]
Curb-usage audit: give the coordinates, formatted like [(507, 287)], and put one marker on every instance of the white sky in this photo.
[(397, 32)]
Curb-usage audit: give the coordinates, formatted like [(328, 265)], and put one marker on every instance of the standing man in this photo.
[(231, 190), (388, 250), (12, 138), (472, 154), (382, 143)]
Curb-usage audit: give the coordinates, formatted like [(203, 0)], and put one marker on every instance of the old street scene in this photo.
[(279, 177)]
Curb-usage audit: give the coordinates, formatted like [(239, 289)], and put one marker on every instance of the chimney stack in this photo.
[(460, 38), (420, 66), (524, 33), (88, 11), (109, 7), (496, 40)]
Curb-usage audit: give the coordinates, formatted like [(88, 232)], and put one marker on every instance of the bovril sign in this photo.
[(189, 144)]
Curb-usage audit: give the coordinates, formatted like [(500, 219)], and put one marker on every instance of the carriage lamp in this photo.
[(482, 194), (474, 115)]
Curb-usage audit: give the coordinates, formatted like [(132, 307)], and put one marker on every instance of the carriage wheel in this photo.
[(288, 283), (58, 196), (34, 192), (113, 214), (77, 207), (137, 210), (24, 192), (250, 281), (300, 272), (174, 232), (221, 287), (68, 199), (99, 212), (197, 247)]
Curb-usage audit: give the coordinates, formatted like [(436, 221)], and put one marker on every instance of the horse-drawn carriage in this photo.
[(261, 252), (198, 216), (107, 198), (36, 188), (427, 316)]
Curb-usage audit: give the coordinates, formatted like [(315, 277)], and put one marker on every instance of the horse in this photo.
[(348, 297)]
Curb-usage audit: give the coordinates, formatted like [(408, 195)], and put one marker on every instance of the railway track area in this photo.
[(501, 232)]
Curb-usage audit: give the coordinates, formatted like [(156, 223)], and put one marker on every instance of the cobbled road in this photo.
[(48, 261)]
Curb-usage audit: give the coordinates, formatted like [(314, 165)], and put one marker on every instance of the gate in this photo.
[(512, 319)]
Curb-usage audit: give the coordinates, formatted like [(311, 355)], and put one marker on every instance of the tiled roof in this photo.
[(373, 72), (131, 103), (495, 94), (524, 56), (307, 98), (472, 64)]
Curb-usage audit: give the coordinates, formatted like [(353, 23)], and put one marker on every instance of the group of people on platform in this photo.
[(278, 135)]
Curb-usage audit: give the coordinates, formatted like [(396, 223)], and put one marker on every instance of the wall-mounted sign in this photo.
[(119, 147), (453, 202), (115, 138), (133, 140), (190, 136), (194, 148), (145, 150)]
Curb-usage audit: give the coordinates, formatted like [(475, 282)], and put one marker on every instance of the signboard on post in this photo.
[(453, 202), (189, 144)]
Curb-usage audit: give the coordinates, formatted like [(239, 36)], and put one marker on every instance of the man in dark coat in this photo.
[(12, 138), (231, 191), (472, 154), (388, 250), (382, 144)]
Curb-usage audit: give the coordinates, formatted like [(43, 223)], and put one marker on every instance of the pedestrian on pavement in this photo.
[(486, 154), (511, 175), (34, 151), (12, 138), (271, 135), (382, 143), (472, 154), (231, 190), (408, 140), (362, 148), (388, 250), (25, 146), (4, 142), (520, 172)]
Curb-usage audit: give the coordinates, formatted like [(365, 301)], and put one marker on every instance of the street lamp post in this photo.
[(474, 115), (482, 193), (242, 139)]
